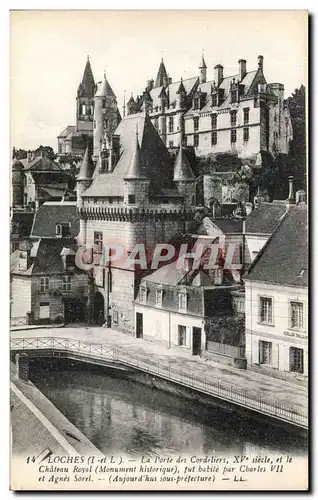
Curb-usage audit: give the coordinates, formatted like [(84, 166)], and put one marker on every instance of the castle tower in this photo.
[(136, 188), (106, 115), (17, 183), (85, 101), (202, 68), (85, 176), (184, 178)]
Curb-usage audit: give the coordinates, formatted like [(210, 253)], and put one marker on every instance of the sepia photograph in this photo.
[(159, 250)]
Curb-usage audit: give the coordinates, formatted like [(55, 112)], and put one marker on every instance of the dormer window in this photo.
[(183, 300), (159, 295), (63, 229), (233, 96), (214, 100), (143, 293)]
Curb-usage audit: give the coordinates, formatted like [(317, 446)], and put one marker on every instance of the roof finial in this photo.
[(105, 72), (88, 57)]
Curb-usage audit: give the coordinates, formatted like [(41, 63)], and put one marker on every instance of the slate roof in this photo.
[(46, 256), (225, 85), (51, 213), (104, 89), (41, 164), (157, 165), (67, 131), (88, 83), (21, 223), (87, 167), (161, 75), (265, 218), (284, 258), (182, 167)]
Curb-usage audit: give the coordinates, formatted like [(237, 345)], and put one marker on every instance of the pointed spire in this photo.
[(136, 168), (182, 168), (104, 89), (87, 167), (162, 75), (202, 63), (88, 83)]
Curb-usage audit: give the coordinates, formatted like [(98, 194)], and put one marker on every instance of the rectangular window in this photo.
[(246, 115), (44, 310), (183, 302), (131, 199), (214, 119), (58, 229), (67, 283), (196, 123), (98, 241), (44, 284), (170, 124), (296, 315), (266, 310), (182, 335), (233, 136), (170, 144), (196, 103), (233, 96), (296, 360), (185, 141), (196, 140), (214, 138), (159, 293), (143, 294), (246, 134), (214, 100), (233, 118), (265, 352)]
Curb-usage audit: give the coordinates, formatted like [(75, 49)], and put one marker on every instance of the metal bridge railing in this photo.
[(206, 385)]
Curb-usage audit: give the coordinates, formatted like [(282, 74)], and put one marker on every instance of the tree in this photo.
[(21, 154), (297, 156)]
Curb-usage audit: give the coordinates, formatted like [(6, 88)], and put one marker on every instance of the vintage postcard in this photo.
[(159, 250)]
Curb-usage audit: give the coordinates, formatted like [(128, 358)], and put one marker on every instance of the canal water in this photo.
[(120, 416)]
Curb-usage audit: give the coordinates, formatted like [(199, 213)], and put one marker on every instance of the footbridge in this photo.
[(24, 349)]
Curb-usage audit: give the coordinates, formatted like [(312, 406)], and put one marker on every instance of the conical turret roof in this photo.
[(87, 167), (182, 168), (162, 75), (136, 169), (202, 63), (88, 84), (104, 89)]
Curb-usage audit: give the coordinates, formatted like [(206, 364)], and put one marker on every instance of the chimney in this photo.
[(260, 62), (291, 198), (149, 85), (242, 69), (29, 156), (218, 74)]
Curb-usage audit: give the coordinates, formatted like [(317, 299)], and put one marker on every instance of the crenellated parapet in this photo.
[(134, 214)]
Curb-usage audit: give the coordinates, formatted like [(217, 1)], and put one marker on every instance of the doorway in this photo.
[(139, 326), (98, 309), (196, 341)]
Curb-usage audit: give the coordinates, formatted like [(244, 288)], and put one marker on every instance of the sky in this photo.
[(48, 52)]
